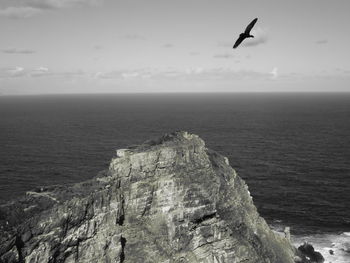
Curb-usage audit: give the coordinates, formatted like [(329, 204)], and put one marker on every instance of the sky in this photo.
[(115, 46)]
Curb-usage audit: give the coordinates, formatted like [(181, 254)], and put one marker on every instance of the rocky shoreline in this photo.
[(168, 200)]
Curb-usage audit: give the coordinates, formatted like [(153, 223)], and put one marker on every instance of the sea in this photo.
[(292, 149)]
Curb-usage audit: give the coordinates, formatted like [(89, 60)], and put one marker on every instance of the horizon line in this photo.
[(174, 93)]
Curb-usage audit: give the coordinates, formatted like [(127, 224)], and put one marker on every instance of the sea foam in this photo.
[(335, 248)]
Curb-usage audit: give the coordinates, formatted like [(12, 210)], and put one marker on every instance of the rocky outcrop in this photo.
[(170, 200), (310, 253)]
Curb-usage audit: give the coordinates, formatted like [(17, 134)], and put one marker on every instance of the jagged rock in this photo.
[(170, 200), (309, 252)]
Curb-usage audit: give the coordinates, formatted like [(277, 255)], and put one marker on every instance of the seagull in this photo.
[(246, 33)]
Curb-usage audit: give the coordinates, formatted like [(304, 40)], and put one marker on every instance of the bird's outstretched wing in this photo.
[(250, 26), (239, 41)]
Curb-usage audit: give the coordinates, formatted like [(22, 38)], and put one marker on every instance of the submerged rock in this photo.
[(169, 200)]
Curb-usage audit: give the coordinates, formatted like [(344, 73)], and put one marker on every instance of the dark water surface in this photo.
[(293, 150)]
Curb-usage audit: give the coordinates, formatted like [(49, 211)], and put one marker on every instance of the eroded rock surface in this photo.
[(171, 200)]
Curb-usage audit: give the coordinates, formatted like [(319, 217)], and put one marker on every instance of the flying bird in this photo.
[(245, 34)]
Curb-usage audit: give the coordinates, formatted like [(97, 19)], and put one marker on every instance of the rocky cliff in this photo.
[(169, 200)]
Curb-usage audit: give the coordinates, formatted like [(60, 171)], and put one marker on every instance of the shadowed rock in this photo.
[(168, 200), (313, 256)]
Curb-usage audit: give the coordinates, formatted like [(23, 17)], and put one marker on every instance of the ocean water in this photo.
[(293, 150)]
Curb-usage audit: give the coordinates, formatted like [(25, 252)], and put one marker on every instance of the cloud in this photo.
[(56, 4), (186, 74), (260, 37), (17, 51), (194, 71), (40, 72), (12, 72), (225, 56), (128, 75), (341, 70), (69, 74), (125, 74), (152, 74), (97, 47), (19, 12), (134, 37), (21, 72), (194, 53), (17, 72), (168, 45), (108, 75), (274, 73), (29, 8), (225, 44), (231, 74), (321, 41), (168, 73)]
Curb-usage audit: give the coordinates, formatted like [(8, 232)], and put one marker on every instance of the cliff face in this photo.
[(171, 200)]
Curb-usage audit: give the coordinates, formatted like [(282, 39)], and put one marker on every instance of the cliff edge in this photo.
[(169, 200)]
